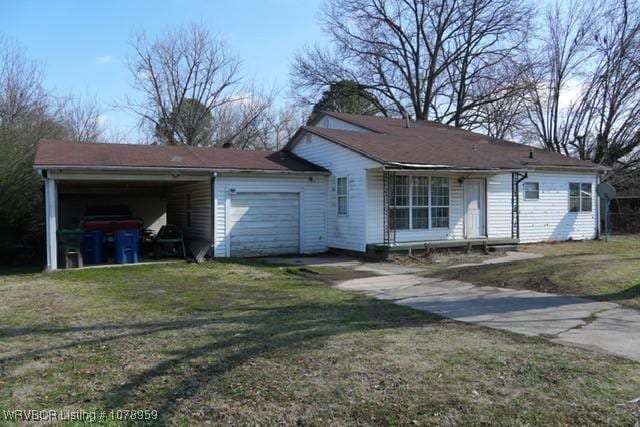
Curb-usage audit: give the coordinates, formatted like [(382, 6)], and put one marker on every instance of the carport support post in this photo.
[(51, 222)]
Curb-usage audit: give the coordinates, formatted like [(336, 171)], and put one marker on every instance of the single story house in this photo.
[(347, 182)]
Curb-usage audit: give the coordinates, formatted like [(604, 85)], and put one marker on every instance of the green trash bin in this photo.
[(70, 243)]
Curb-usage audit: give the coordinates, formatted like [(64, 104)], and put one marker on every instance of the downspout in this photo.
[(213, 214), (516, 179)]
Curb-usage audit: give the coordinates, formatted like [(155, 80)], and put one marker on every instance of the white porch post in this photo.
[(51, 222)]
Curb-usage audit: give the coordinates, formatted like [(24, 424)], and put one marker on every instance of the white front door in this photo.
[(474, 208)]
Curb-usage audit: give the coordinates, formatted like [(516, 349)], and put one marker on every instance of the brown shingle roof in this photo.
[(68, 153), (434, 144)]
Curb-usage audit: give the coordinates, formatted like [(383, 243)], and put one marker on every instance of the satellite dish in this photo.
[(606, 191)]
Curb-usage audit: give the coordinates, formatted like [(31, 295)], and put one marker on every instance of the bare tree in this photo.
[(584, 97), (605, 121), (239, 123), (186, 64), (282, 125), (560, 60), (21, 93), (81, 118), (279, 125), (432, 58), (24, 119)]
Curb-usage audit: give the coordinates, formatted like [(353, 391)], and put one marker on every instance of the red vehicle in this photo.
[(109, 219)]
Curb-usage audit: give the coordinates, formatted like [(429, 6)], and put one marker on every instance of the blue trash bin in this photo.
[(93, 247), (126, 244)]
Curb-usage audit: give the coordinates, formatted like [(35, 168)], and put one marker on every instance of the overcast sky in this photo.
[(83, 45)]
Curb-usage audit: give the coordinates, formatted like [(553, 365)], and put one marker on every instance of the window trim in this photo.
[(579, 197), (524, 190), (344, 196), (429, 205)]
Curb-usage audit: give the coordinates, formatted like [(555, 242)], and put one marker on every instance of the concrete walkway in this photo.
[(597, 325)]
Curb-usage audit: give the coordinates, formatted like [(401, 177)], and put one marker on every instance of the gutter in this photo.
[(393, 166), (203, 171), (405, 166)]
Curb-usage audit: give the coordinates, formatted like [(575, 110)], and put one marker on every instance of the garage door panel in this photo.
[(258, 227), (259, 214), (264, 224)]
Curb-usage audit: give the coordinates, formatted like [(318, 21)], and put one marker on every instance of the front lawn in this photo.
[(595, 269), (243, 344)]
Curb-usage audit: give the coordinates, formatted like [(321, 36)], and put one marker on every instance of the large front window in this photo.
[(420, 202)]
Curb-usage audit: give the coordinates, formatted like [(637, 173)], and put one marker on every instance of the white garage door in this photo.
[(264, 224)]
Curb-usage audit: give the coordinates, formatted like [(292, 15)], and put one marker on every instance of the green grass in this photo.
[(236, 343), (595, 269)]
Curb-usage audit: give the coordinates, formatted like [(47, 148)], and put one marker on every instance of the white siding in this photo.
[(334, 123), (200, 228), (313, 227), (545, 219), (344, 231), (499, 206), (375, 212), (549, 218)]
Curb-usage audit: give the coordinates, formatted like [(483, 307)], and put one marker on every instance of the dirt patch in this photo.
[(445, 258), (329, 275)]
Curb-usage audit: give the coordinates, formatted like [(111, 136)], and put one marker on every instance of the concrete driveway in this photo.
[(597, 325)]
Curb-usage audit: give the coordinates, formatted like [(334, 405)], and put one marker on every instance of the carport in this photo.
[(179, 197)]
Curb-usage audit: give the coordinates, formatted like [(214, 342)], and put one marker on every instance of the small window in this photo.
[(188, 209), (531, 191), (343, 208), (580, 197)]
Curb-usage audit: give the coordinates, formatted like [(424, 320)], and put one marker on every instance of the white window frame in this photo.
[(429, 206), (394, 207), (579, 197), (537, 191), (426, 206), (344, 196), (433, 206)]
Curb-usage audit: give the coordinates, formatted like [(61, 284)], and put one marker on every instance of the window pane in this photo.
[(585, 195), (420, 191), (401, 190), (574, 189), (342, 186), (531, 190), (420, 218), (399, 218), (440, 217), (574, 204), (342, 205), (439, 191)]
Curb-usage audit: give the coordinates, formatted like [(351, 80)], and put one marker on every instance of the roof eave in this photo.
[(177, 169)]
